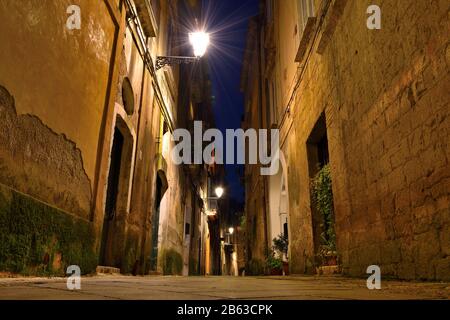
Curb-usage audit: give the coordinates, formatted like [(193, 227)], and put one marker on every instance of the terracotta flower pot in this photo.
[(331, 261), (276, 272)]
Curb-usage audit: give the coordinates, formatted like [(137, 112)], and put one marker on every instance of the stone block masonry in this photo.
[(41, 163), (396, 141), (384, 95)]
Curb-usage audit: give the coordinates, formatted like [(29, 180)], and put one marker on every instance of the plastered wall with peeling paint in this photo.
[(35, 43)]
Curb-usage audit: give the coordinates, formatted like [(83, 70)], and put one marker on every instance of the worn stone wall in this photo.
[(126, 230), (255, 184), (36, 44), (171, 221), (39, 162), (385, 94), (398, 123), (53, 96), (256, 245), (144, 181), (50, 140), (37, 239)]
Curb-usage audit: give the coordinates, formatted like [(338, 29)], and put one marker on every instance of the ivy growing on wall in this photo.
[(322, 197), (37, 239)]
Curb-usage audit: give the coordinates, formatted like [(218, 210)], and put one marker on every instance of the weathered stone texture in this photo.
[(396, 139), (38, 239), (385, 94), (59, 75), (38, 162)]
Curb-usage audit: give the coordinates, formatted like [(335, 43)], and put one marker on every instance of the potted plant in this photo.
[(281, 246), (322, 197), (275, 264), (327, 256)]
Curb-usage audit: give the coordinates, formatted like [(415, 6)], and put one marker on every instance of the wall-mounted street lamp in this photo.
[(199, 41), (219, 193), (229, 234)]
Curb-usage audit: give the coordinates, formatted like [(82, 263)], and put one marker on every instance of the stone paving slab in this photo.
[(206, 288)]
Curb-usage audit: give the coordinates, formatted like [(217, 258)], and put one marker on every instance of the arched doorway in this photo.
[(161, 187), (117, 192), (160, 203), (279, 203)]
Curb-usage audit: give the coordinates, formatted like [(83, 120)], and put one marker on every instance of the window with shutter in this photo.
[(305, 26), (305, 10)]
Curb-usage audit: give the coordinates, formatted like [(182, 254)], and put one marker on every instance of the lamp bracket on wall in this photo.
[(170, 61)]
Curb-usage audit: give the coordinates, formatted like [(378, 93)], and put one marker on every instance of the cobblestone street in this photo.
[(225, 150), (207, 288)]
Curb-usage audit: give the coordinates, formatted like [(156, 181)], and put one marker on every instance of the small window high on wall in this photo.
[(305, 26)]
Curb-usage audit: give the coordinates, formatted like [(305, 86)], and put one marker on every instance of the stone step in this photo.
[(107, 270), (328, 270)]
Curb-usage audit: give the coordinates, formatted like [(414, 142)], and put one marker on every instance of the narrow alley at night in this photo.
[(216, 150)]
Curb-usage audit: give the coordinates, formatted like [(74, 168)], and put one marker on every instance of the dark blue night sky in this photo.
[(227, 20)]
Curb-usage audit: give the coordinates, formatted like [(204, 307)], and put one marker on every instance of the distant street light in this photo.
[(219, 192), (231, 230), (199, 41)]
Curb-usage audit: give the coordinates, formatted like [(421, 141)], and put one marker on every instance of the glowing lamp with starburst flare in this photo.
[(199, 41)]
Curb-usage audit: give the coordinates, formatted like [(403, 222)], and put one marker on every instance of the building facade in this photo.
[(366, 108), (86, 119)]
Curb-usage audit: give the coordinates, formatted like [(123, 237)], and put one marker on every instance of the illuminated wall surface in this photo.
[(381, 97), (85, 122)]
